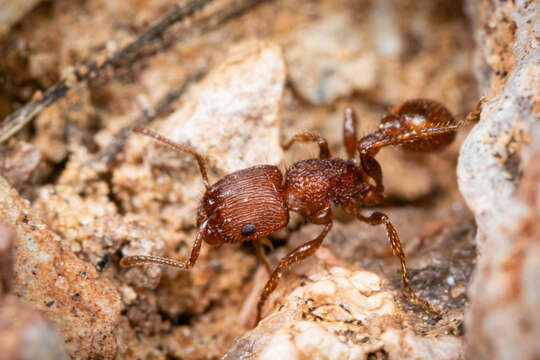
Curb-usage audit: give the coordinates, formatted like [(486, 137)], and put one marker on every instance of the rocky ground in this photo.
[(78, 190)]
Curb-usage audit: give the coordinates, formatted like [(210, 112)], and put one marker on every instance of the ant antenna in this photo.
[(184, 148)]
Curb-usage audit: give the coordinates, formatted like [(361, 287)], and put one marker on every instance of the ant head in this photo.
[(244, 205), (211, 233), (373, 176)]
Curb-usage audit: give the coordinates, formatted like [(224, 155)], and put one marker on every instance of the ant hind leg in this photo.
[(378, 218), (301, 252)]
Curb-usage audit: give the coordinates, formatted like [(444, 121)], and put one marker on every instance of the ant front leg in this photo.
[(300, 253), (378, 218), (139, 260), (324, 151)]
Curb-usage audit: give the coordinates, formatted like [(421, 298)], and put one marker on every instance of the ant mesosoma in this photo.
[(253, 203)]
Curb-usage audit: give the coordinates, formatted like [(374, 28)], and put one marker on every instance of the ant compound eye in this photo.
[(248, 230)]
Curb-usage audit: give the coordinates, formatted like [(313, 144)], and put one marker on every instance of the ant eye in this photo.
[(248, 230)]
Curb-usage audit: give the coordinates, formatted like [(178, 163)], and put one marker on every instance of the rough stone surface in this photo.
[(24, 334), (499, 177), (340, 313), (79, 209), (52, 280), (238, 101), (490, 156)]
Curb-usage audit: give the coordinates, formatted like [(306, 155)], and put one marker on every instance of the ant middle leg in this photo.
[(379, 218), (259, 247), (301, 252), (324, 151), (139, 260), (349, 132)]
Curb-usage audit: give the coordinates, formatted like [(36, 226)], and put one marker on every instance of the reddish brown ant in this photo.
[(253, 203)]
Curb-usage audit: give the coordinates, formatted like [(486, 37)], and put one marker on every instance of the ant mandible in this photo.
[(253, 203)]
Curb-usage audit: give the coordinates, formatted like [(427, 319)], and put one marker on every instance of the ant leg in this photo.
[(300, 253), (139, 260), (370, 144), (378, 218), (176, 147), (349, 132), (474, 115), (324, 152), (260, 253), (369, 166)]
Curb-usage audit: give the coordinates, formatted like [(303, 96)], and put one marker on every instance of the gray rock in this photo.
[(498, 175)]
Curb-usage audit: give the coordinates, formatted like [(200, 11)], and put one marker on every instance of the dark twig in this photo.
[(132, 51), (15, 121)]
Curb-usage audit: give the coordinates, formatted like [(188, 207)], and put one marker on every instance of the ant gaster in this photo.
[(253, 203)]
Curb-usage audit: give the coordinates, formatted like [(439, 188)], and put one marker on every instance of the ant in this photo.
[(250, 204)]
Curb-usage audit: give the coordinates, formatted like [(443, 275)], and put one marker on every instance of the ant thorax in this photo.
[(311, 186)]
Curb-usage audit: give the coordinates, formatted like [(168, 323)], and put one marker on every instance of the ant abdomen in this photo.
[(423, 117), (418, 125)]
